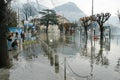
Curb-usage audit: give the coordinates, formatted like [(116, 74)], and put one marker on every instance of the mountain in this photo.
[(114, 21), (115, 30), (70, 11), (114, 24)]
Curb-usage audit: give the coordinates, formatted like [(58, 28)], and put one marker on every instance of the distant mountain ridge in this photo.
[(114, 21), (70, 11)]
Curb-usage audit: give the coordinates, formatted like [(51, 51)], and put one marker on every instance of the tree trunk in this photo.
[(86, 33), (47, 26), (26, 17), (101, 36), (4, 56), (101, 32), (47, 39), (46, 29), (101, 45)]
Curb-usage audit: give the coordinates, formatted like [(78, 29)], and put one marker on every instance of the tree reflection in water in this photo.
[(84, 46), (102, 58), (96, 58), (5, 74)]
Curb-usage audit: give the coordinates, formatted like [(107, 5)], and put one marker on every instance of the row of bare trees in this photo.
[(88, 21), (99, 18)]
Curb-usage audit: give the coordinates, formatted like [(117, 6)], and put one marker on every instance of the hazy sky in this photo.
[(85, 5)]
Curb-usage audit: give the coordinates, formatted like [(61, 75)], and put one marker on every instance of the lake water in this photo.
[(86, 61), (91, 61)]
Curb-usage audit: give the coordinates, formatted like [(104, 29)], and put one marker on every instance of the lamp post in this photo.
[(92, 6), (92, 23)]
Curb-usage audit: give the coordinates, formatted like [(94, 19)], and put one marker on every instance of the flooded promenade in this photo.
[(57, 56)]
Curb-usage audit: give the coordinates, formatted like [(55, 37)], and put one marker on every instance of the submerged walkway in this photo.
[(30, 63)]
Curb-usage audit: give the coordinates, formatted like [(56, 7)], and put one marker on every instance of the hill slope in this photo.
[(70, 11)]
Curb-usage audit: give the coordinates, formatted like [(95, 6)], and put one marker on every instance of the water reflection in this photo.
[(55, 44), (92, 60), (84, 47), (32, 51), (97, 54), (51, 52), (102, 59), (4, 74), (92, 63), (116, 38), (16, 57), (30, 62), (117, 67), (52, 40), (107, 44)]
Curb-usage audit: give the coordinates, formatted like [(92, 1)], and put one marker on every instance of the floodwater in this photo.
[(70, 55)]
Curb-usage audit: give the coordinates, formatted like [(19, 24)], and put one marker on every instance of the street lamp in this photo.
[(92, 22), (92, 6)]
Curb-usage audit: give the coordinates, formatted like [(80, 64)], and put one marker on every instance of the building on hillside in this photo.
[(62, 19), (51, 28)]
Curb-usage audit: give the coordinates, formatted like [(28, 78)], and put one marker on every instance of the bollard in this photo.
[(49, 52), (56, 63), (47, 48), (51, 59), (65, 68)]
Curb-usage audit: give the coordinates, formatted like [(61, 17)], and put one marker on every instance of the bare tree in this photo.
[(29, 10), (101, 19), (86, 22)]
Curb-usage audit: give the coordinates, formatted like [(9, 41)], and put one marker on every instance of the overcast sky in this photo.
[(85, 5)]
